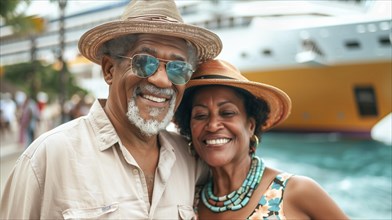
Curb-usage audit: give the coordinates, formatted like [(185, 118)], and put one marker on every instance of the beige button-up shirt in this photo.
[(81, 170)]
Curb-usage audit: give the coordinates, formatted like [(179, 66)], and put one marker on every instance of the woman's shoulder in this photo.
[(304, 197), (272, 174), (302, 184), (294, 181), (304, 192)]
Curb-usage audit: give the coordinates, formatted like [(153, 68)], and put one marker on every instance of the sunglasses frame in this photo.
[(160, 60)]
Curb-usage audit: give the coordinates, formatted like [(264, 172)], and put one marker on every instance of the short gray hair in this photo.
[(120, 45)]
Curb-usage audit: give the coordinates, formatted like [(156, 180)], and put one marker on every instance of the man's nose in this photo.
[(160, 78)]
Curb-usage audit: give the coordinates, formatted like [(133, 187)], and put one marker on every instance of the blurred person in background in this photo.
[(42, 100), (28, 121), (223, 114), (7, 113), (118, 161), (80, 106)]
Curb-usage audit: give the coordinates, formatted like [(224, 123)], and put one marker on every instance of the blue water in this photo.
[(356, 173)]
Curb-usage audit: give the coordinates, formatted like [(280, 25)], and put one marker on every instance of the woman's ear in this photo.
[(107, 69)]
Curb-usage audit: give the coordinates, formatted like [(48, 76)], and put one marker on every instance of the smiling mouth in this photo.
[(219, 141), (154, 98)]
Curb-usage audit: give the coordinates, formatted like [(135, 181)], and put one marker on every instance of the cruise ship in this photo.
[(333, 58)]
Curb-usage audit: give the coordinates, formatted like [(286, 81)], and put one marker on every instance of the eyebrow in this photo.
[(219, 104)]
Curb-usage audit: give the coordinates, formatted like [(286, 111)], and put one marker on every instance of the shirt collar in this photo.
[(106, 134)]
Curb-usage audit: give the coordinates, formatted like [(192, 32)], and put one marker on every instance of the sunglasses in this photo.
[(178, 72)]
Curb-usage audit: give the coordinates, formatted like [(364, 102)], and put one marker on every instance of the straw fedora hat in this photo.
[(219, 72), (154, 17)]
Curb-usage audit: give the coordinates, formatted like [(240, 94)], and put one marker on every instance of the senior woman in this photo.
[(223, 114)]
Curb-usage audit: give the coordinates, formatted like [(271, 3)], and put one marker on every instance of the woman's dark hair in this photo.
[(255, 108)]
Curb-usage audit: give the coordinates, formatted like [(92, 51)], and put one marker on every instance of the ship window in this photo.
[(266, 52), (244, 55), (384, 41), (353, 44), (366, 100)]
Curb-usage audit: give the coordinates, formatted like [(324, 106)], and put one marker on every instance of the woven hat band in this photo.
[(154, 18)]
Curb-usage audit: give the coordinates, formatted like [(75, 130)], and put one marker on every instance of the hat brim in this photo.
[(207, 43), (278, 101)]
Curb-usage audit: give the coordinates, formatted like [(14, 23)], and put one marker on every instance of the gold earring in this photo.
[(254, 143), (255, 140)]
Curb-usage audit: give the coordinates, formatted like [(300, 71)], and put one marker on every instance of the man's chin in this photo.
[(150, 120), (149, 126), (159, 119)]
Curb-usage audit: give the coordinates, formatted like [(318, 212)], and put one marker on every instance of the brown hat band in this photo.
[(213, 77)]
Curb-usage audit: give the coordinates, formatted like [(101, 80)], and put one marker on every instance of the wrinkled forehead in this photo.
[(163, 41)]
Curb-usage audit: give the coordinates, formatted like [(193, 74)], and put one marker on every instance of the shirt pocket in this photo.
[(186, 212), (102, 212)]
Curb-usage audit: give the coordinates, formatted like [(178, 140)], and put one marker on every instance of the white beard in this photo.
[(152, 126)]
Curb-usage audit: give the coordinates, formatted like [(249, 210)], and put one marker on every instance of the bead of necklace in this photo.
[(238, 198)]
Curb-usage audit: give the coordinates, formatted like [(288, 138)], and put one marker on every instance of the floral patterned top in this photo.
[(271, 203), (270, 206)]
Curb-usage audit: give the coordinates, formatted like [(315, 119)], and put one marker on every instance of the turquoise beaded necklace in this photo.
[(238, 198)]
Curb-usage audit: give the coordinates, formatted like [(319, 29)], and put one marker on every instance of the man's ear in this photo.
[(107, 69)]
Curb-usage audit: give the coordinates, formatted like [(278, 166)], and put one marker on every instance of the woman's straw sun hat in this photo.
[(219, 72), (154, 17)]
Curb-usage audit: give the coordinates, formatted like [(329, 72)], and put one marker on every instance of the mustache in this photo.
[(155, 90)]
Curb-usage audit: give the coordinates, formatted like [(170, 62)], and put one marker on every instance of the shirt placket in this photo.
[(141, 186)]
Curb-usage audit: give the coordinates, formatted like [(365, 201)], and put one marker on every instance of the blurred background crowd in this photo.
[(23, 117)]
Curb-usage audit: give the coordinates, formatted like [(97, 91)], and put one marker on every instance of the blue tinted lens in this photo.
[(144, 65), (179, 72)]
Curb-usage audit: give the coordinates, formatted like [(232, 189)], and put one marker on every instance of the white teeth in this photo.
[(218, 141), (154, 98)]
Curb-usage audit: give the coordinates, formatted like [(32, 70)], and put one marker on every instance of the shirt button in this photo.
[(135, 172)]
